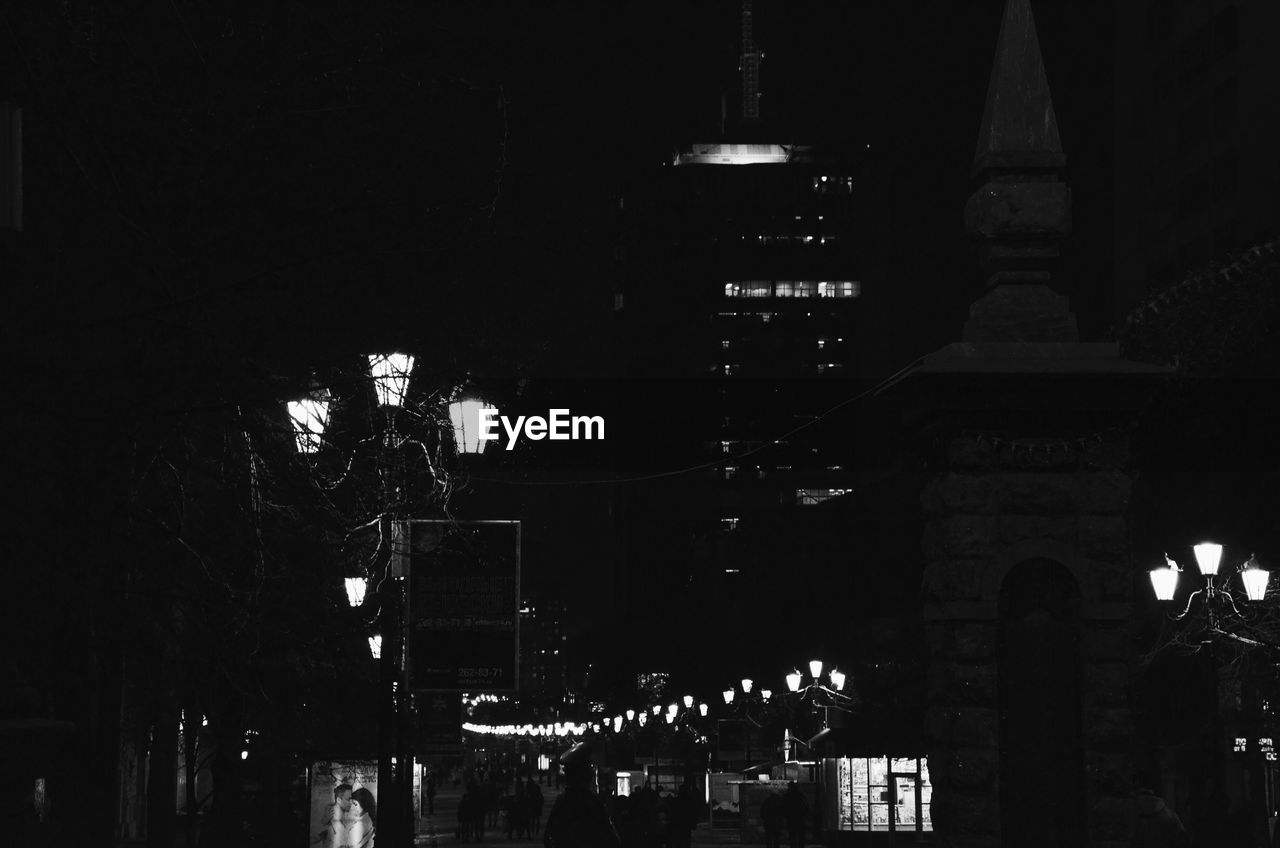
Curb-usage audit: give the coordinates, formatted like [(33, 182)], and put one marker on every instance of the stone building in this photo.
[(1027, 588)]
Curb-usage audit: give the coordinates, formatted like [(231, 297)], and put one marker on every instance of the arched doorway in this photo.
[(1041, 744)]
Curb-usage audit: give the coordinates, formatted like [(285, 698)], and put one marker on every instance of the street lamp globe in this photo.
[(310, 417), (644, 717), (747, 683), (1208, 555), (728, 696), (815, 668), (1165, 580), (837, 679), (1255, 579), (355, 590), (375, 646), (390, 373), (793, 681), (657, 708), (688, 702), (631, 715), (466, 418), (671, 718), (702, 709), (766, 693)]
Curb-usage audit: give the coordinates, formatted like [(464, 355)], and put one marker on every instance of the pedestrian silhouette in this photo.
[(579, 818)]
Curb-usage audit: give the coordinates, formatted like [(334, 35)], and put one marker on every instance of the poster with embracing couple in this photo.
[(344, 803)]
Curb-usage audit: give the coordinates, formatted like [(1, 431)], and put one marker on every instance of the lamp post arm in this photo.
[(1190, 600)]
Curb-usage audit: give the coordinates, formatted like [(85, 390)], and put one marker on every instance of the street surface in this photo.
[(440, 829)]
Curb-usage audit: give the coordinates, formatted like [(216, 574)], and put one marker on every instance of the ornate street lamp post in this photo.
[(390, 374), (1218, 598)]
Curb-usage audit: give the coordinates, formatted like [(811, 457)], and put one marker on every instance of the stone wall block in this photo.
[(1019, 208), (961, 536), (1103, 537), (953, 581), (1013, 528), (964, 642), (1113, 577), (961, 684)]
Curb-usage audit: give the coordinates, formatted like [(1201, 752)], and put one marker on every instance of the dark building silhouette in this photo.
[(1197, 135)]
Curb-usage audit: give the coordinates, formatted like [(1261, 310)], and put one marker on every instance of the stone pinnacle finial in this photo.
[(1019, 128), (1022, 211)]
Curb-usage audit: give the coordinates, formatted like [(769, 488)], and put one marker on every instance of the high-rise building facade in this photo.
[(1196, 124)]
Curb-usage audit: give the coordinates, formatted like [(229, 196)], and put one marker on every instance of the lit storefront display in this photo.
[(879, 794)]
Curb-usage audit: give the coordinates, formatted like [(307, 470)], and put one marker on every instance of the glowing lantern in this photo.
[(467, 424), (1165, 580), (837, 679), (747, 683), (390, 373), (1208, 555), (1255, 579), (688, 701), (815, 668), (356, 587), (728, 696), (310, 417), (793, 681), (375, 646)]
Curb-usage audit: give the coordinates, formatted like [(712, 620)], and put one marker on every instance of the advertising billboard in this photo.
[(344, 804), (464, 605)]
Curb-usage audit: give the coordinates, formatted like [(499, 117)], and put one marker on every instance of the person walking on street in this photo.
[(536, 802), (579, 818), (771, 817), (795, 808)]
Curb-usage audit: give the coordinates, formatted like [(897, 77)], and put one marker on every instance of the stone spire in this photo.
[(1019, 128), (1022, 211)]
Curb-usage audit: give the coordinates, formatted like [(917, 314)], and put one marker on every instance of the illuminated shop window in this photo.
[(882, 794), (810, 497), (839, 288)]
